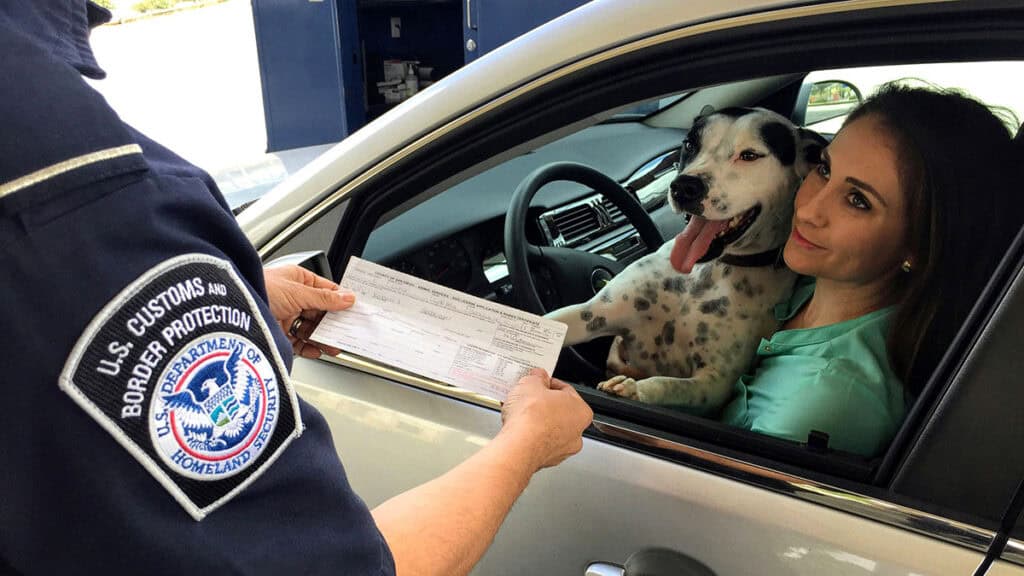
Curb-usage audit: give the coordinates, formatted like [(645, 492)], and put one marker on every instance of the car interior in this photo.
[(453, 236), (439, 213), (456, 237)]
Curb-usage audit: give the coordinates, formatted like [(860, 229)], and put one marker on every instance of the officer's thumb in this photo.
[(324, 299)]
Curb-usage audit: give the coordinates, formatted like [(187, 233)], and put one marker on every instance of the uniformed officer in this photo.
[(149, 426)]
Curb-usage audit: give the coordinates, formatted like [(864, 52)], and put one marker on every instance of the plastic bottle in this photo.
[(411, 82)]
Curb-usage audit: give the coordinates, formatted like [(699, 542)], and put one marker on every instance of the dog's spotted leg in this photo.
[(601, 316), (584, 325)]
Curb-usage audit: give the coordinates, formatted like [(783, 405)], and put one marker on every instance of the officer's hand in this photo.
[(549, 415), (295, 293)]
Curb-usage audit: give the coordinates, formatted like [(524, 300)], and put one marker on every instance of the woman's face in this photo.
[(849, 222)]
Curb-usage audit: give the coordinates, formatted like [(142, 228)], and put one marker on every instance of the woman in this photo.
[(897, 231)]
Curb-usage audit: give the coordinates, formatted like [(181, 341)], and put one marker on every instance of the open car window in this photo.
[(456, 236)]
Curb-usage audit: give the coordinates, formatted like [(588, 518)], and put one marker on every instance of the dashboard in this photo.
[(470, 261), (456, 238)]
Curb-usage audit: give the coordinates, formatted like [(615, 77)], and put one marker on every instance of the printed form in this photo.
[(438, 332)]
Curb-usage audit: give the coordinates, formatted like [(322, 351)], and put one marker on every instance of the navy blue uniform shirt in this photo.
[(148, 424)]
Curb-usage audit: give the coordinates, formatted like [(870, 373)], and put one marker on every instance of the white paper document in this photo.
[(438, 332)]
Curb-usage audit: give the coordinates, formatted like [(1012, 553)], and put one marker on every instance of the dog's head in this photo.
[(739, 170)]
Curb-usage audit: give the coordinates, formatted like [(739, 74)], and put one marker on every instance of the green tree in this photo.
[(148, 5)]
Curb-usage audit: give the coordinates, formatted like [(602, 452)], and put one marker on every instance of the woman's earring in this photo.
[(906, 266)]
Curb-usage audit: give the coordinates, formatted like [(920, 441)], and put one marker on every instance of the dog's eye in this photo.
[(750, 155), (689, 146)]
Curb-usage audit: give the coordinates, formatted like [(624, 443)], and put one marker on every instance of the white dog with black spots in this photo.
[(688, 318)]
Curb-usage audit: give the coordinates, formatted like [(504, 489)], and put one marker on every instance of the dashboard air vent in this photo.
[(613, 211), (581, 221), (630, 249), (576, 222)]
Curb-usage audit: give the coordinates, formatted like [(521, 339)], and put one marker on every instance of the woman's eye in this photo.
[(858, 201), (823, 170), (750, 155)]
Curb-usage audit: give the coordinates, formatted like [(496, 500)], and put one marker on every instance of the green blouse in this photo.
[(835, 379)]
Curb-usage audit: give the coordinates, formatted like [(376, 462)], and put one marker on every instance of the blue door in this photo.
[(491, 23), (310, 68)]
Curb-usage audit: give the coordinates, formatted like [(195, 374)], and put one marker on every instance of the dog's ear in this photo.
[(706, 111), (810, 146)]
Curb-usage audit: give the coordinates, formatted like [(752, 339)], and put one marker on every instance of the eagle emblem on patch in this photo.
[(218, 410), (183, 372)]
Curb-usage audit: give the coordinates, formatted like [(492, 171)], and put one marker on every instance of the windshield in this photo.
[(645, 109)]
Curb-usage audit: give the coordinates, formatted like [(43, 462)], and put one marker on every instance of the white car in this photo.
[(615, 85)]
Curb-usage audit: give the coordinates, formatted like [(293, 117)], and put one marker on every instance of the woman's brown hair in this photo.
[(961, 175)]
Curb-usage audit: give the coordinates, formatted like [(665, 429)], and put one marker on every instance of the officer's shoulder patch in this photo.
[(183, 372)]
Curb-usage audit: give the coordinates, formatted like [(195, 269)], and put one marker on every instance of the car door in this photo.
[(935, 503)]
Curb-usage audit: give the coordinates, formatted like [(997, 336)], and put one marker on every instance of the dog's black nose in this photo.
[(686, 189)]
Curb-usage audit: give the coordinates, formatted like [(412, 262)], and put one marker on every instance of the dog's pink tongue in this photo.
[(693, 242)]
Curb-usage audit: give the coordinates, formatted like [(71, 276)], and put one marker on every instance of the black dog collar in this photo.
[(766, 258)]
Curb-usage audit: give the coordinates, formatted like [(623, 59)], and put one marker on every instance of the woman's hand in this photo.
[(298, 300)]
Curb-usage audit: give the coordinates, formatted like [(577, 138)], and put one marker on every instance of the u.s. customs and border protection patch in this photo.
[(183, 372)]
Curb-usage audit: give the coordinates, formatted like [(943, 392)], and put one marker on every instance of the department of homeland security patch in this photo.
[(214, 410), (183, 372)]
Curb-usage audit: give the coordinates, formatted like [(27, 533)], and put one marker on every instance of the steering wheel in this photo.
[(577, 274)]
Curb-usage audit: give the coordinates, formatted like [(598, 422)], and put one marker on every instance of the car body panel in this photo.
[(392, 437)]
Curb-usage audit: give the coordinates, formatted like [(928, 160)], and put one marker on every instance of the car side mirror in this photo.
[(313, 260), (825, 100)]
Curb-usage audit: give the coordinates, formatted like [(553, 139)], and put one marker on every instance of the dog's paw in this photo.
[(620, 386)]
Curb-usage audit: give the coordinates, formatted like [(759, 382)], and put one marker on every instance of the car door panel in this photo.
[(608, 501), (985, 388)]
